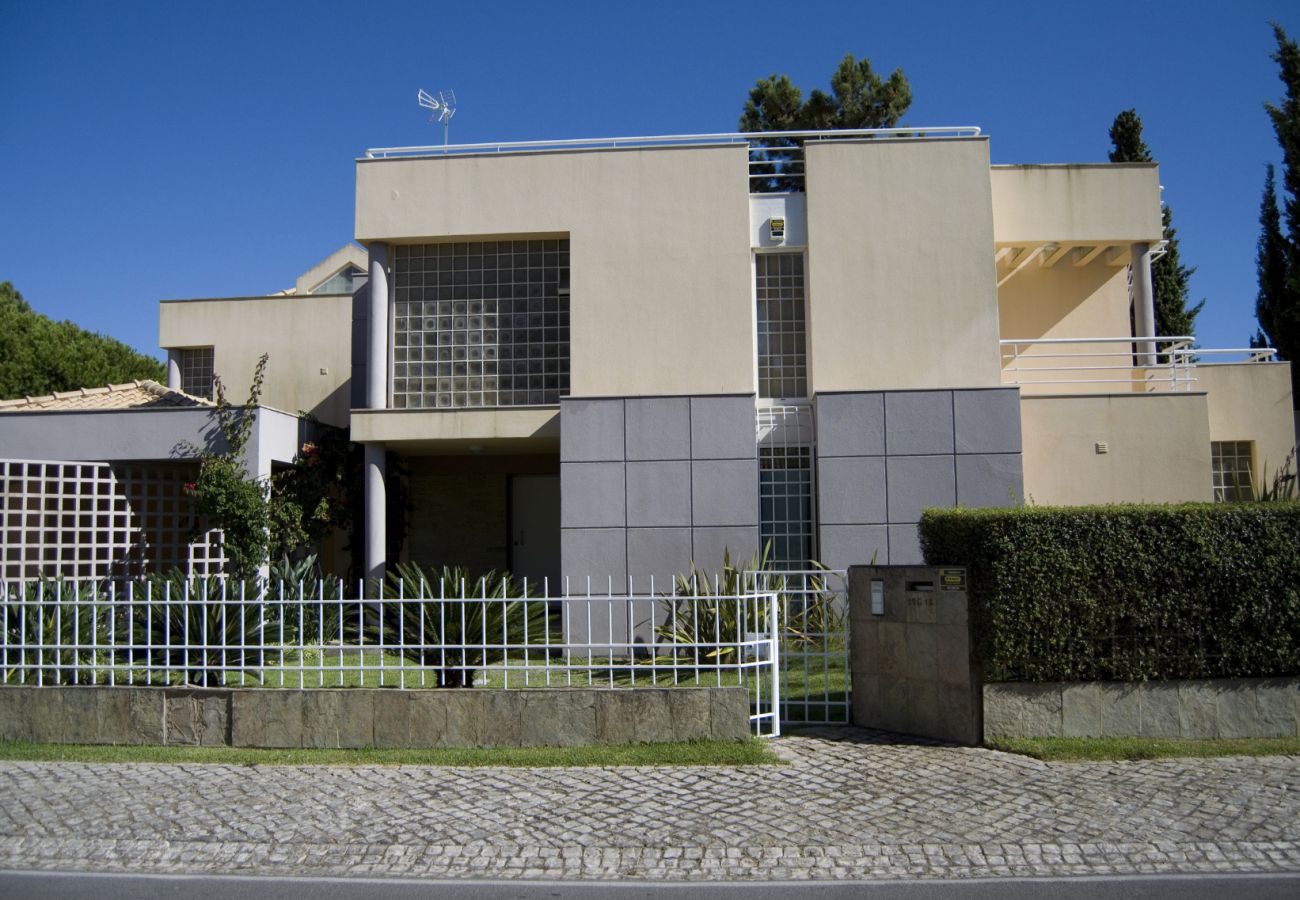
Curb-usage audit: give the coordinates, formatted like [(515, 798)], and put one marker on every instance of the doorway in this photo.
[(535, 528)]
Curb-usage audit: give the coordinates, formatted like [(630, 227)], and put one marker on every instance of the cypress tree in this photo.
[(1277, 306), (1169, 276)]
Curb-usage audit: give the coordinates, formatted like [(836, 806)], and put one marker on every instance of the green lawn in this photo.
[(1069, 749), (694, 753)]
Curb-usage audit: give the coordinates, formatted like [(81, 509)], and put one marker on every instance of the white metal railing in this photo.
[(221, 634), (1147, 363), (775, 157), (816, 675)]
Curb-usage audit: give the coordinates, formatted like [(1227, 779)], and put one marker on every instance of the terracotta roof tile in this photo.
[(132, 395)]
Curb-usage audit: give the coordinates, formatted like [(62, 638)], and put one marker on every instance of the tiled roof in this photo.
[(133, 395)]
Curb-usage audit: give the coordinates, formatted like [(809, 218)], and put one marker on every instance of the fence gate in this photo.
[(814, 643)]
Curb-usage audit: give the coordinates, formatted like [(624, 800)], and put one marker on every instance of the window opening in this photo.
[(1231, 463), (480, 324), (196, 364), (782, 339)]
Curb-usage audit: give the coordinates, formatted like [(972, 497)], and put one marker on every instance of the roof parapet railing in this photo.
[(683, 140), (1155, 363)]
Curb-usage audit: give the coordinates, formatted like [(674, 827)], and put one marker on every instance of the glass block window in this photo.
[(782, 342), (1230, 462), (196, 371), (785, 500), (480, 324)]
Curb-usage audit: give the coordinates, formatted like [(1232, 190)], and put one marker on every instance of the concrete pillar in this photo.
[(377, 352), (173, 370), (1144, 304), (376, 511)]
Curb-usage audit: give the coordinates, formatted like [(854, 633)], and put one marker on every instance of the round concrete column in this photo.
[(173, 371), (1144, 304), (376, 511), (377, 350)]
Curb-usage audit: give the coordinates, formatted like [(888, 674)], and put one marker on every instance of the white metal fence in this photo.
[(816, 676), (223, 634)]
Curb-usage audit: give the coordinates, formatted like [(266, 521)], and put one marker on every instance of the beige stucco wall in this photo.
[(1251, 402), (659, 250), (900, 267), (1065, 301), (303, 335), (1159, 448), (1066, 203)]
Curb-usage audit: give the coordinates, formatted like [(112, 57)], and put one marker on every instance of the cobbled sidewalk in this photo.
[(851, 804)]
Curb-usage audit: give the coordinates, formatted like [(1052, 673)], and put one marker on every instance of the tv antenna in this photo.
[(444, 107)]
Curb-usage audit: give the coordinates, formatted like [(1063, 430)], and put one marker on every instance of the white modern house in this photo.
[(611, 358)]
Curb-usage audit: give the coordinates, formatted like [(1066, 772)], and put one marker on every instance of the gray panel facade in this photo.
[(650, 485), (884, 456)]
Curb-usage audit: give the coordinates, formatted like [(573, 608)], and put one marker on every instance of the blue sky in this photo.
[(160, 150)]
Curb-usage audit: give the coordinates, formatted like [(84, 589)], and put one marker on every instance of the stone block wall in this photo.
[(912, 667), (883, 457), (650, 484), (358, 717), (1217, 708)]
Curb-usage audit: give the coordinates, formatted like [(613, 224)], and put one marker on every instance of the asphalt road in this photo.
[(91, 886)]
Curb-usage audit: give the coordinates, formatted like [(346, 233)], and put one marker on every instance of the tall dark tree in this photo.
[(859, 98), (1270, 262), (1278, 304), (39, 356), (1169, 276)]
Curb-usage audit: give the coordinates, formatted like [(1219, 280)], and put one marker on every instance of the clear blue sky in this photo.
[(162, 150)]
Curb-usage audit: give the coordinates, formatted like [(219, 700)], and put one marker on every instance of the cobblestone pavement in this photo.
[(851, 804)]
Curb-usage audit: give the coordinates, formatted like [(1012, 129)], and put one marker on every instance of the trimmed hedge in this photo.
[(1127, 593)]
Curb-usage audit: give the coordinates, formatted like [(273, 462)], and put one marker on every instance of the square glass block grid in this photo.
[(83, 520), (196, 371), (1233, 471), (782, 339), (785, 501), (480, 324)]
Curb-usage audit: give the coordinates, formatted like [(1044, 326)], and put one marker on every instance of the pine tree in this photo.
[(859, 98), (1277, 306), (1169, 276)]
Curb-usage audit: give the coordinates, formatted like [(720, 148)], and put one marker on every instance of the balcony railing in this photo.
[(775, 157), (1139, 364)]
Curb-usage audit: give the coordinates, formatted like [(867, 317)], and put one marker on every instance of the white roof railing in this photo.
[(683, 140)]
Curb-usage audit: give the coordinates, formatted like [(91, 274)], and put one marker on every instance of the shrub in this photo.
[(49, 632), (1128, 593), (456, 624)]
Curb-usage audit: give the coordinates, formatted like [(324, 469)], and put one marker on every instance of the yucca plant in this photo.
[(199, 627), (812, 614), (307, 612), (50, 631), (706, 610), (456, 624)]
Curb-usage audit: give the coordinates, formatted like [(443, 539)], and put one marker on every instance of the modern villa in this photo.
[(609, 359)]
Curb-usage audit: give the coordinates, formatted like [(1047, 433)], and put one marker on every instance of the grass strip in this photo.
[(693, 753), (1100, 749)]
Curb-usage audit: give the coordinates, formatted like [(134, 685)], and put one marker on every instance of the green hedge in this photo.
[(1128, 593)]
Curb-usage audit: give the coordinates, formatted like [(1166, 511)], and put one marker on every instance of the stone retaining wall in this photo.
[(1222, 708), (362, 717)]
